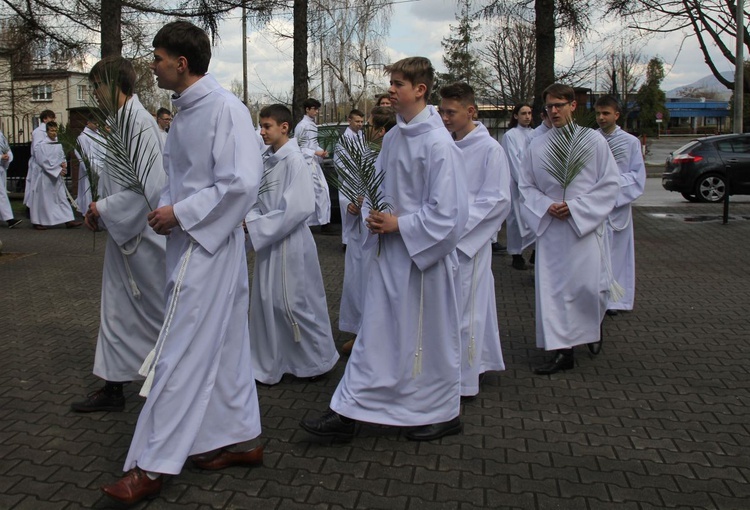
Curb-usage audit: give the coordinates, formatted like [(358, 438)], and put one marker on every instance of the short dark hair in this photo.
[(162, 111), (459, 91), (415, 69), (46, 114), (50, 124), (608, 102), (355, 112), (559, 90), (115, 68), (383, 117), (278, 112), (183, 39), (513, 119), (311, 103)]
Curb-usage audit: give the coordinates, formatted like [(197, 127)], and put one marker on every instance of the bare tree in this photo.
[(570, 18), (509, 56), (351, 34), (624, 70), (711, 22)]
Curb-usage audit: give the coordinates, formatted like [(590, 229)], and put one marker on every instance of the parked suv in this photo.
[(705, 168)]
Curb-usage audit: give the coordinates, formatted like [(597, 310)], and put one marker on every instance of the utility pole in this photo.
[(244, 52), (739, 95), (322, 83)]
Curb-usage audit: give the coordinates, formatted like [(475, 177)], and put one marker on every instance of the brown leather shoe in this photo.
[(133, 487), (40, 227), (346, 349), (73, 224), (226, 458)]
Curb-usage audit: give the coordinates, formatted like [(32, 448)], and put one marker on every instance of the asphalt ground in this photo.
[(660, 419)]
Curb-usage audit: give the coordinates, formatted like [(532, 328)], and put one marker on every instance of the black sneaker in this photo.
[(99, 400), (13, 223)]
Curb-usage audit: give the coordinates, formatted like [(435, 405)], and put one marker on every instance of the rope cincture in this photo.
[(616, 291), (149, 364), (472, 342), (417, 369), (125, 253)]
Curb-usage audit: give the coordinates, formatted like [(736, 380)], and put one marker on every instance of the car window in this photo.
[(687, 147), (725, 146), (741, 145)]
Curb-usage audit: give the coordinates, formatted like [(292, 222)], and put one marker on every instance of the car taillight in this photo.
[(686, 158)]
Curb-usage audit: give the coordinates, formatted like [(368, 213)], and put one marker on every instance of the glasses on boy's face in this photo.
[(556, 106)]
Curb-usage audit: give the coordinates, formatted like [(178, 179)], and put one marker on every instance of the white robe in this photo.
[(6, 212), (37, 136), (203, 395), (306, 134), (405, 368), (572, 284), (50, 205), (290, 332), (519, 236), (541, 129), (629, 158), (356, 260), (488, 184), (134, 274), (343, 201), (93, 150)]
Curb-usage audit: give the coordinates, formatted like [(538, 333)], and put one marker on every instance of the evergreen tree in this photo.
[(652, 99), (458, 58)]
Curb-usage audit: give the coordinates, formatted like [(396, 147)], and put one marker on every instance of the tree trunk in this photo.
[(545, 49), (299, 55), (111, 28)]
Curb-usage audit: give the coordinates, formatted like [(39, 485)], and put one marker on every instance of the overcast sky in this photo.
[(417, 28)]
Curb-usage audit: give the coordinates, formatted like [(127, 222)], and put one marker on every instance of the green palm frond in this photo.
[(570, 148), (129, 156), (619, 147), (356, 175), (265, 184), (4, 145)]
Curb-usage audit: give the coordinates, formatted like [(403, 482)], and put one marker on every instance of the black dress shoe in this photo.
[(331, 424), (562, 360), (435, 431), (518, 262), (100, 400), (498, 248), (612, 313)]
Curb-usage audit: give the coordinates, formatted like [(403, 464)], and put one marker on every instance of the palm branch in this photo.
[(4, 145), (129, 156), (265, 184), (357, 177), (568, 151), (619, 147)]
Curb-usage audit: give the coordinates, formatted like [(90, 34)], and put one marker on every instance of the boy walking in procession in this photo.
[(488, 183), (133, 279), (515, 142), (306, 134), (404, 369), (627, 152), (572, 253), (289, 326), (202, 401)]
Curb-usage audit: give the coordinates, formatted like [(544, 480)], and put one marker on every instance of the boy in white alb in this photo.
[(290, 332), (488, 184), (405, 367)]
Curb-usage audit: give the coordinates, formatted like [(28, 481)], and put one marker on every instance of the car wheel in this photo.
[(710, 188), (689, 198)]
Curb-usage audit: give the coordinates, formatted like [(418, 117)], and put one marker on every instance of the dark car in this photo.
[(706, 168)]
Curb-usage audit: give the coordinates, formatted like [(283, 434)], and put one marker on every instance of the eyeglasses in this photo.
[(556, 106), (167, 119)]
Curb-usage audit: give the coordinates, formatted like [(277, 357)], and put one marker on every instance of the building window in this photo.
[(41, 93), (83, 92)]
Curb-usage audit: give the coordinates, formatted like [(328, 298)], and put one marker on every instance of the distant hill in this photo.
[(707, 83)]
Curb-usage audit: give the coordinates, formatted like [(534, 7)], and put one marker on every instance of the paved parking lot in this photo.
[(661, 419)]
